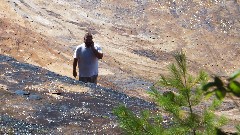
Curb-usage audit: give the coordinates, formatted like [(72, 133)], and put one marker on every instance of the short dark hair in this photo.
[(88, 34)]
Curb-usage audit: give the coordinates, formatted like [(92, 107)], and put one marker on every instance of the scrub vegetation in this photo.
[(182, 105)]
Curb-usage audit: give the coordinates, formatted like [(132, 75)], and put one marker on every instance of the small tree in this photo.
[(180, 106)]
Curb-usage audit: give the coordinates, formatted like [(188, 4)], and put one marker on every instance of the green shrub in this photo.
[(180, 106), (220, 88), (238, 129)]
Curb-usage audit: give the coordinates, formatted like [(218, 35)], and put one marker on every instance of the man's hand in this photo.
[(99, 55), (74, 73), (74, 67), (92, 45)]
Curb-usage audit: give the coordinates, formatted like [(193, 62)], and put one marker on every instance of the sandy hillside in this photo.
[(138, 38)]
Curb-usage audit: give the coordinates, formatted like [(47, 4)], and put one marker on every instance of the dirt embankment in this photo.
[(138, 39)]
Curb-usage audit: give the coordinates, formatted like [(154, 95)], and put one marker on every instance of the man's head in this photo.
[(88, 39)]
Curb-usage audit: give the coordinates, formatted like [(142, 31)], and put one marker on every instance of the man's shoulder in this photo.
[(80, 46), (97, 44)]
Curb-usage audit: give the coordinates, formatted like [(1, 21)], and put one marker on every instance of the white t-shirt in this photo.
[(87, 61)]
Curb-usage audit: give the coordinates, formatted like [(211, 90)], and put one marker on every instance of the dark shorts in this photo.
[(92, 79)]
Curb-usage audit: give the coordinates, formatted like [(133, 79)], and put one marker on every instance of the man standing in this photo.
[(86, 56)]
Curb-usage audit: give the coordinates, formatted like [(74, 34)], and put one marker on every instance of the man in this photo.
[(87, 55)]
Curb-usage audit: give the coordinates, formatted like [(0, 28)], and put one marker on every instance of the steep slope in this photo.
[(35, 100), (138, 37)]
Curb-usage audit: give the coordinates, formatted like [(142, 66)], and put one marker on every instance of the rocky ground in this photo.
[(138, 40), (37, 101)]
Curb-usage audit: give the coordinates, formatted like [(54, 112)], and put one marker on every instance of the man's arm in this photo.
[(74, 67), (98, 54)]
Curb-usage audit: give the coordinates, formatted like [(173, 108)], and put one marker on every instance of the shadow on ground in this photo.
[(35, 100)]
